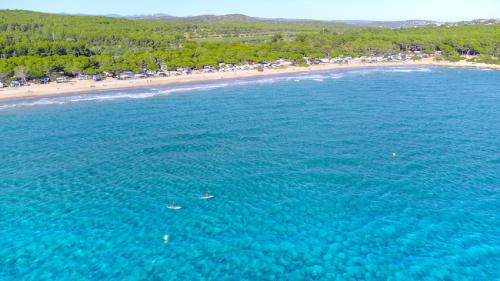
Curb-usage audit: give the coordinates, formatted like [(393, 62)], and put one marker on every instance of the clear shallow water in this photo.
[(301, 167)]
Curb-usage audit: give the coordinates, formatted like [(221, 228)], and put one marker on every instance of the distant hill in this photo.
[(478, 21), (392, 24), (417, 23), (239, 18), (244, 19), (203, 19)]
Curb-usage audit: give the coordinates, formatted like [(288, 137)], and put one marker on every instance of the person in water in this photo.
[(206, 194)]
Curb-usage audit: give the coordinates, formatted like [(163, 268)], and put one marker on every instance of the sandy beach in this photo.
[(87, 86)]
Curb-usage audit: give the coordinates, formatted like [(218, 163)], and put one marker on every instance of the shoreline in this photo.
[(89, 86)]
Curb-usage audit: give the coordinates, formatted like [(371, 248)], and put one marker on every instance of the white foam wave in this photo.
[(401, 70), (367, 71), (337, 76), (260, 81), (111, 97), (294, 78), (78, 98), (194, 88), (29, 104), (314, 77), (408, 70), (108, 96)]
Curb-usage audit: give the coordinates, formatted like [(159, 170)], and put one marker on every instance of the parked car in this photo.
[(84, 77), (140, 76), (2, 85), (162, 74), (124, 77), (15, 84), (62, 79), (97, 77), (44, 80)]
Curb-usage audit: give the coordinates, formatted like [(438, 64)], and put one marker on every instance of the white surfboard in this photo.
[(174, 207)]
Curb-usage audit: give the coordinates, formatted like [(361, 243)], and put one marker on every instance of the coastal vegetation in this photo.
[(36, 45)]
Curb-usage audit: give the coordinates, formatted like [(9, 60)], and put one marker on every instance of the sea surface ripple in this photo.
[(301, 166)]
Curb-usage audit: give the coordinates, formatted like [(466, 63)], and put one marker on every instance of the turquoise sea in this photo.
[(301, 167)]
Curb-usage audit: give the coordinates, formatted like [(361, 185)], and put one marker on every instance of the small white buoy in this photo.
[(394, 155), (165, 238)]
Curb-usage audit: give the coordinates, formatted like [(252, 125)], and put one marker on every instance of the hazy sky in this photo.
[(442, 10)]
